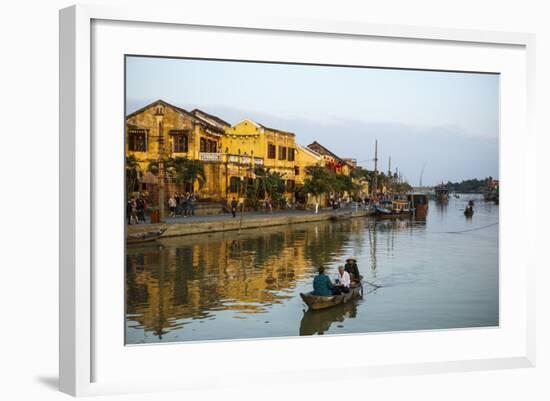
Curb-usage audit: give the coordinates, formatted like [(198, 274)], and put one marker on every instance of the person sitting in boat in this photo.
[(343, 282), (322, 285), (352, 269)]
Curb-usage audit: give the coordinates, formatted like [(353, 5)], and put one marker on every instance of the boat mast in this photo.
[(375, 180), (390, 180), (421, 174)]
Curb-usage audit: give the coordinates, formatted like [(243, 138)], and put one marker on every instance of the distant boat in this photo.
[(441, 193), (469, 212)]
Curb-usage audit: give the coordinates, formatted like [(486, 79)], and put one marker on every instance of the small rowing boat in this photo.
[(340, 216), (145, 236), (316, 302)]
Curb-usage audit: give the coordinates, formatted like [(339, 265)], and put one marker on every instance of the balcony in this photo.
[(233, 159), (210, 157)]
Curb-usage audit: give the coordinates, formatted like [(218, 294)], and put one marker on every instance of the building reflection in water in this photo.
[(176, 281)]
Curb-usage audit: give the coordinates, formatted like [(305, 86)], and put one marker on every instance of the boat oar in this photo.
[(372, 284)]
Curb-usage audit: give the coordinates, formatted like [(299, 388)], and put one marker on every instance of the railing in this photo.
[(210, 157), (235, 159)]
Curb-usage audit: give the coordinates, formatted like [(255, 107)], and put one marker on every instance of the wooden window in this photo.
[(290, 185), (271, 151), (296, 170), (234, 184), (282, 152), (180, 141), (203, 145), (212, 146), (291, 154), (137, 140)]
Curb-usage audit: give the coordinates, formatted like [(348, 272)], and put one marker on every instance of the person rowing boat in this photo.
[(326, 294), (352, 269)]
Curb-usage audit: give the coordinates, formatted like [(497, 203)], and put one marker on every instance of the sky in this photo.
[(444, 122)]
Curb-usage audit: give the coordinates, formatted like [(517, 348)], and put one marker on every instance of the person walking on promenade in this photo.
[(129, 211), (172, 204), (234, 205), (185, 204), (177, 197), (192, 199), (141, 205)]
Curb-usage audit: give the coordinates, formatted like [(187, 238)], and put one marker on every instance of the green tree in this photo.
[(267, 182), (132, 173), (183, 170), (318, 182), (344, 183)]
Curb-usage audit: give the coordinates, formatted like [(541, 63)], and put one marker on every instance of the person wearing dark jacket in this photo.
[(322, 286), (352, 269), (234, 205)]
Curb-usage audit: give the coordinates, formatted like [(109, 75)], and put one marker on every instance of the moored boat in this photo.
[(340, 216), (145, 236), (388, 209), (419, 202), (441, 193), (316, 302)]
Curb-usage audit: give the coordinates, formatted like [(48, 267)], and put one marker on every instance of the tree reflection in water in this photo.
[(175, 282)]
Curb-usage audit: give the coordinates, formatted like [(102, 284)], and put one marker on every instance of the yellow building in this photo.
[(249, 144), (162, 130), (331, 161), (229, 153)]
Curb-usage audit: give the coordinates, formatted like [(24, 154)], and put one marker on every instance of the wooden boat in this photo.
[(340, 216), (393, 209), (145, 236), (316, 302), (468, 212), (441, 193), (419, 202)]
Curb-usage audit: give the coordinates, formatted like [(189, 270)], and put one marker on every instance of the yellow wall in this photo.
[(248, 138), (171, 120), (238, 149), (304, 158)]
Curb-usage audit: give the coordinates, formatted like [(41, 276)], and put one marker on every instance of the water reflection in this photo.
[(178, 279), (226, 285), (319, 322)]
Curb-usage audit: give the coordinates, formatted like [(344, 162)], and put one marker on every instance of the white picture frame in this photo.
[(82, 345)]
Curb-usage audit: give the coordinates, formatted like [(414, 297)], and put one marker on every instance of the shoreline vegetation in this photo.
[(472, 186)]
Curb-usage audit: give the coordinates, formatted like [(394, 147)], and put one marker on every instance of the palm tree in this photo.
[(267, 182), (184, 171), (188, 172), (132, 173)]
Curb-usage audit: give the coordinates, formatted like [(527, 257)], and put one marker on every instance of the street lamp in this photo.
[(159, 115)]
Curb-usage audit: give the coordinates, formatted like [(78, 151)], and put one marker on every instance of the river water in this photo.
[(439, 273)]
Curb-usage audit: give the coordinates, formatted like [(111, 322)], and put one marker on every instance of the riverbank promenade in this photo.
[(178, 226)]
